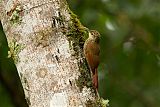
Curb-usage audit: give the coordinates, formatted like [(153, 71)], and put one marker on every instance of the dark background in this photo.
[(129, 73)]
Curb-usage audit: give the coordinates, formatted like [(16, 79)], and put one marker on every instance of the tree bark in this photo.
[(46, 43)]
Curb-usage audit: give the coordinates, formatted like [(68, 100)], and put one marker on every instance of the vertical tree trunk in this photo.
[(46, 41)]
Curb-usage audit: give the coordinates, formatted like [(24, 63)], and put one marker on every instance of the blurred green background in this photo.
[(129, 73)]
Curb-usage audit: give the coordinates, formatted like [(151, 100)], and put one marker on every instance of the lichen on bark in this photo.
[(14, 50), (15, 14)]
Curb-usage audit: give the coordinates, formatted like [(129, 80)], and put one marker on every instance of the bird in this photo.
[(91, 51)]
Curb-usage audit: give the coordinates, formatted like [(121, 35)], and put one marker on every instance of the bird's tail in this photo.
[(95, 82), (95, 79)]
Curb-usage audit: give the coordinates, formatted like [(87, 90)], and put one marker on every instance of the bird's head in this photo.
[(95, 35)]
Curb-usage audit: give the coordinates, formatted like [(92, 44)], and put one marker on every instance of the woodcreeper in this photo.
[(91, 51)]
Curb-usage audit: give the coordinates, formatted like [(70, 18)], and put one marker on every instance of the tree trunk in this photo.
[(46, 42)]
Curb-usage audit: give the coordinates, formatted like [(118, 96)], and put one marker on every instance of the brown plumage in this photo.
[(91, 52)]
